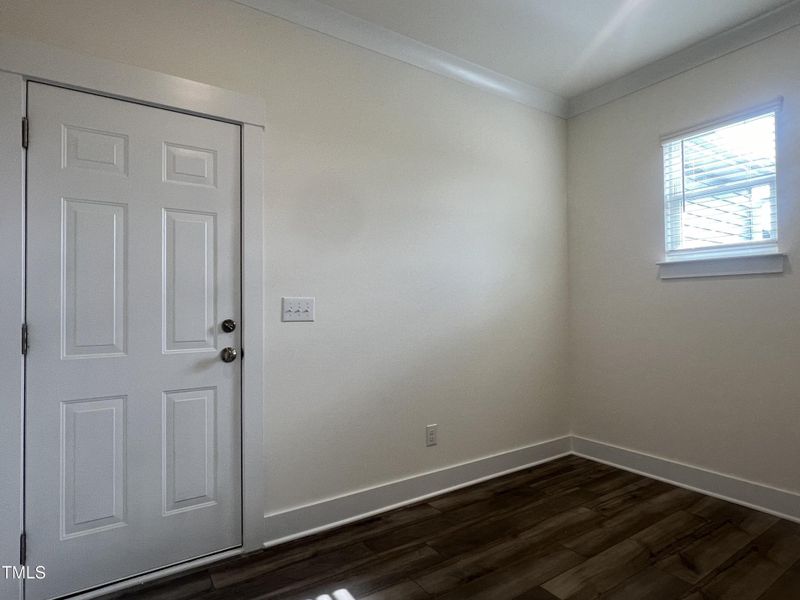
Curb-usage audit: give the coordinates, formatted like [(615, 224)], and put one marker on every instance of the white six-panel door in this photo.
[(133, 451)]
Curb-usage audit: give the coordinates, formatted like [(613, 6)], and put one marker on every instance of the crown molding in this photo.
[(338, 24), (748, 33)]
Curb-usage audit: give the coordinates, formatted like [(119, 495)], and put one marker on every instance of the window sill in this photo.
[(754, 264)]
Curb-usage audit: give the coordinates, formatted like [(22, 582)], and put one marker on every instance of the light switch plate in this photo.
[(432, 435), (297, 309)]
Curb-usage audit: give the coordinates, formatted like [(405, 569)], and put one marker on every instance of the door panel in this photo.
[(183, 164), (189, 281), (93, 455), (133, 450), (190, 469), (93, 275)]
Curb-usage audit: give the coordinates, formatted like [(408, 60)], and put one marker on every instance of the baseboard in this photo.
[(334, 512), (781, 503), (327, 514)]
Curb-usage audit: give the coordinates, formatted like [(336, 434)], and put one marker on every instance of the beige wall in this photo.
[(703, 371), (427, 217)]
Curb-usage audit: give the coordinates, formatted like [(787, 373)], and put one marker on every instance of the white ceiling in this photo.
[(564, 46)]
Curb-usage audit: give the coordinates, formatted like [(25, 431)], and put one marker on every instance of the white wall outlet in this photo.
[(297, 309), (432, 435)]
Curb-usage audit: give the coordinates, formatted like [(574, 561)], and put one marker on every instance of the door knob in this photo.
[(228, 325), (229, 354)]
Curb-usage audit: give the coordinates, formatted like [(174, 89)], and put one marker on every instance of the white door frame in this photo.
[(22, 61)]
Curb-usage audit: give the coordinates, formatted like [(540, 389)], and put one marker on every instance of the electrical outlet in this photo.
[(297, 309), (432, 435)]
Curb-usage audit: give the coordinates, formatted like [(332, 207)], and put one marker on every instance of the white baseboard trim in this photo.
[(326, 514), (781, 503), (334, 512)]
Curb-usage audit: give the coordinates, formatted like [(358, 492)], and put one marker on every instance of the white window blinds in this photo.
[(719, 189)]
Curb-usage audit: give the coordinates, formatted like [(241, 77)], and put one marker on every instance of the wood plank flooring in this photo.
[(569, 529)]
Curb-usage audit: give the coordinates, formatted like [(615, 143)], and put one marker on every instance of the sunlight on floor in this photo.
[(337, 595)]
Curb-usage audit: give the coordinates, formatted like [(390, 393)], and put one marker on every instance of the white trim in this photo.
[(12, 200), (359, 32), (40, 62), (773, 106), (334, 512), (758, 496), (757, 248), (253, 458), (752, 264), (757, 29), (341, 510), (325, 19), (49, 64)]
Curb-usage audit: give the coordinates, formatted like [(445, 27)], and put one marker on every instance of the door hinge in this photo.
[(24, 345), (23, 548), (25, 128)]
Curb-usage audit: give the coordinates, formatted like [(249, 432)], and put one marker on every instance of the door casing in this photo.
[(23, 61)]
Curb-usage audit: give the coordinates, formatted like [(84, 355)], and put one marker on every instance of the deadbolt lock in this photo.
[(228, 325)]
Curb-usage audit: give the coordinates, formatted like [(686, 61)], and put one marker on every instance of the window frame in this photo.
[(724, 251)]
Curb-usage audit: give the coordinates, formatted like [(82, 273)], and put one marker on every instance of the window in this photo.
[(719, 189)]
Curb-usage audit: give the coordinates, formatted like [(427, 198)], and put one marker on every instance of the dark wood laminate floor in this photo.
[(568, 529)]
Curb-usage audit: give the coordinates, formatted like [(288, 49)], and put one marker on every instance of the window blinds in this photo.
[(719, 187)]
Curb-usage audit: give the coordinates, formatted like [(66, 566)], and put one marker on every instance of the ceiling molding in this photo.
[(338, 24), (757, 29)]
